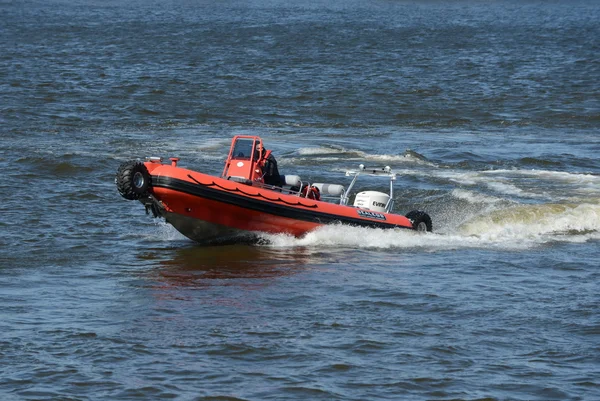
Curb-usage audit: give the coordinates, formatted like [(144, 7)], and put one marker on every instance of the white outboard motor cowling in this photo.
[(372, 200)]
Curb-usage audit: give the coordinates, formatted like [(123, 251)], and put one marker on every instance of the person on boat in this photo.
[(269, 167)]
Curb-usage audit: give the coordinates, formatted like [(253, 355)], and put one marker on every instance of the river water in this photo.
[(489, 112)]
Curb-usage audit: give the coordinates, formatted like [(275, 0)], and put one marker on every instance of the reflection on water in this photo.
[(224, 279), (194, 265)]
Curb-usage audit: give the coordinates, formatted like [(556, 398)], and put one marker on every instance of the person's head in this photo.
[(258, 151)]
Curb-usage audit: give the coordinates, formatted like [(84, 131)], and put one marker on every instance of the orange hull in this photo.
[(208, 208)]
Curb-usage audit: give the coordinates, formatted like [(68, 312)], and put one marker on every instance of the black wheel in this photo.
[(133, 180), (420, 220)]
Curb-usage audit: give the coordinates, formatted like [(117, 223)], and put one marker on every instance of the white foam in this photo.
[(339, 236), (354, 237), (514, 228), (164, 232)]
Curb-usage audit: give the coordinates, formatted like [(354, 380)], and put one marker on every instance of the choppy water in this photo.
[(488, 110)]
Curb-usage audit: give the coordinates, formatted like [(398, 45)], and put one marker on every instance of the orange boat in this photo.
[(251, 197)]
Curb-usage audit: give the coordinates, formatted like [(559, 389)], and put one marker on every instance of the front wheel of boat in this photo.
[(133, 180)]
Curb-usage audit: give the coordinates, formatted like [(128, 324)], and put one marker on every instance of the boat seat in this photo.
[(291, 180), (330, 189)]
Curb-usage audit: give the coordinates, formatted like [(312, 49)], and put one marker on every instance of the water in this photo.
[(488, 110)]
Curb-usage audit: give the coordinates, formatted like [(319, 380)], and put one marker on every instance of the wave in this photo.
[(537, 223), (215, 144), (499, 185), (475, 197), (549, 175), (321, 151), (526, 184), (62, 166), (339, 153)]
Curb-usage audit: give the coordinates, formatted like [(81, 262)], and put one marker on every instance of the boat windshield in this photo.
[(243, 148)]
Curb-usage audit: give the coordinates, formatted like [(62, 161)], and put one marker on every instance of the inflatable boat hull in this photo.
[(205, 208)]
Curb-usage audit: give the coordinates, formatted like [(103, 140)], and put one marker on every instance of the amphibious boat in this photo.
[(251, 197)]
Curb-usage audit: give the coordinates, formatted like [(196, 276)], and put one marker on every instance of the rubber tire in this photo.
[(128, 179), (420, 221)]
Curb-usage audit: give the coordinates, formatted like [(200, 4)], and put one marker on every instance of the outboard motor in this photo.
[(372, 200)]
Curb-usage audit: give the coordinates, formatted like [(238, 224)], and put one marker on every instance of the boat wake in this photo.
[(537, 223), (513, 228)]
